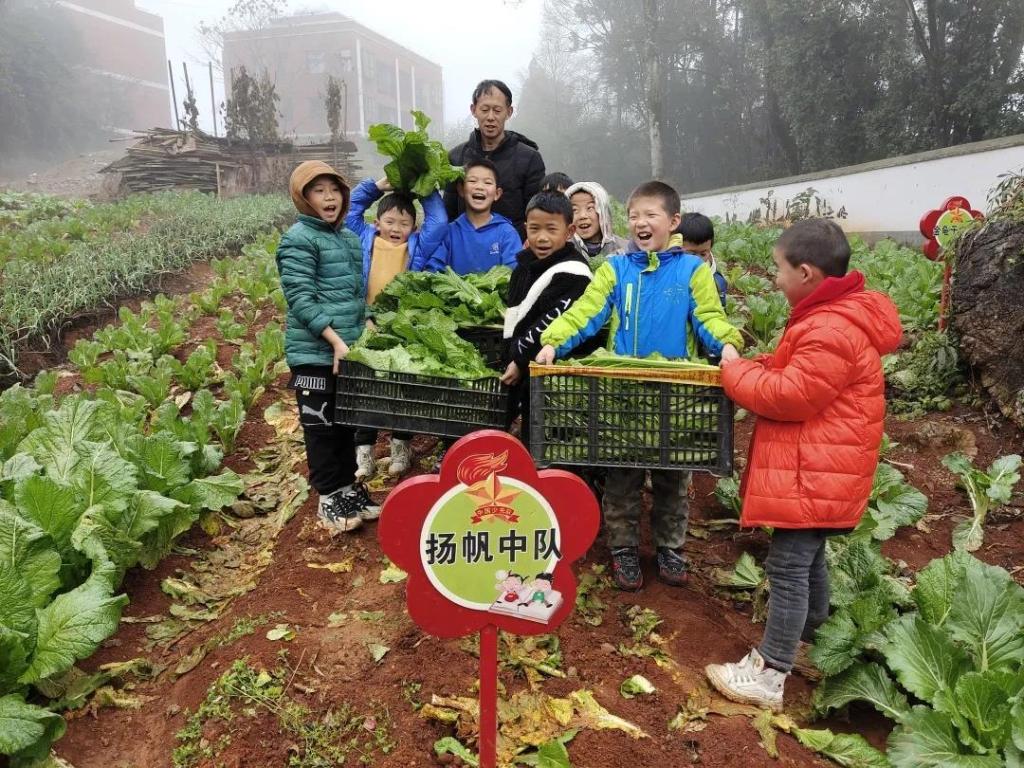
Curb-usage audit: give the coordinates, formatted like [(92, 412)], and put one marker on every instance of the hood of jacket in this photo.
[(307, 171), (872, 312), (603, 202)]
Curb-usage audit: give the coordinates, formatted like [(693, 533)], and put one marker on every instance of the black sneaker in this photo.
[(626, 568), (360, 497), (339, 512), (672, 567)]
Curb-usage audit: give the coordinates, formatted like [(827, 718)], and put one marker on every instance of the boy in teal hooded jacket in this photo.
[(321, 268)]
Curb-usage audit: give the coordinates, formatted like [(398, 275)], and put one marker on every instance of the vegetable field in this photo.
[(166, 598)]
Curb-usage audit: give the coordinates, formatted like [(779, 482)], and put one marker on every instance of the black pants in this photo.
[(368, 436), (330, 450)]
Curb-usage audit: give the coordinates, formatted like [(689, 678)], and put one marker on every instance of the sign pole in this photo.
[(488, 696)]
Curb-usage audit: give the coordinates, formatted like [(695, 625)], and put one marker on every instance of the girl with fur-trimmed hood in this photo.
[(592, 216)]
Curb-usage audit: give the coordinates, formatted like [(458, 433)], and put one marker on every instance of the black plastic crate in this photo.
[(643, 419), (425, 405), (488, 342)]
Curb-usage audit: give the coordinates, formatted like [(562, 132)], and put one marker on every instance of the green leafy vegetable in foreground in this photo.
[(419, 164), (985, 490), (948, 668)]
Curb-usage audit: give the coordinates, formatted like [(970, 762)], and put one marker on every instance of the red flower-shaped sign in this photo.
[(490, 540), (941, 226)]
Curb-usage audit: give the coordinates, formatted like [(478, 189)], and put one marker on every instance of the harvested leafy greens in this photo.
[(421, 342), (417, 315), (474, 299)]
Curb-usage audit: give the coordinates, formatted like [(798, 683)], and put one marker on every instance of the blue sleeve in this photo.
[(363, 196), (511, 245), (431, 234), (441, 256)]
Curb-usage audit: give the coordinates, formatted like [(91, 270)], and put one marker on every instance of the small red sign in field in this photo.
[(488, 545)]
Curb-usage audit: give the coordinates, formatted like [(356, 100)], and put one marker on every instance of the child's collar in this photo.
[(319, 223)]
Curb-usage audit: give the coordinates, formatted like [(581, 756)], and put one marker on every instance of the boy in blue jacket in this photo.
[(391, 245), (478, 239), (661, 299)]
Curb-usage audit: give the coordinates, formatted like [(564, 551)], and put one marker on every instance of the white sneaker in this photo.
[(366, 467), (401, 457), (338, 513), (749, 681)]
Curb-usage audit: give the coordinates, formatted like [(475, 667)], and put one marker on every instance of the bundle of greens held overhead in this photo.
[(419, 164), (417, 315)]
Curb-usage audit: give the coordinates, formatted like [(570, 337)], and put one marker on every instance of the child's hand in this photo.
[(370, 325), (512, 375), (384, 185), (729, 354), (340, 351), (546, 356)]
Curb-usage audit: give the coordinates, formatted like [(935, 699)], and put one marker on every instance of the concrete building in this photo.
[(382, 79), (124, 53)]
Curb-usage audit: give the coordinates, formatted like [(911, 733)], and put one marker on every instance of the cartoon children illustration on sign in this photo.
[(535, 600), (510, 584), (539, 589)]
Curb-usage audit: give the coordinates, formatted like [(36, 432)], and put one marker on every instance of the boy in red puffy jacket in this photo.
[(820, 406)]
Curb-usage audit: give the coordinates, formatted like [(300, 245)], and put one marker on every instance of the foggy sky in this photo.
[(470, 39)]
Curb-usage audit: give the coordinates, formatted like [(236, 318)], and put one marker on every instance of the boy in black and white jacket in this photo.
[(549, 276)]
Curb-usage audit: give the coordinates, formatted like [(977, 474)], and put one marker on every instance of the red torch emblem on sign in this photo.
[(488, 544)]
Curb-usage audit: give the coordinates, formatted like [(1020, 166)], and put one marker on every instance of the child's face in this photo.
[(585, 216), (547, 232), (796, 283), (701, 249), (480, 189), (395, 226), (650, 224), (325, 196)]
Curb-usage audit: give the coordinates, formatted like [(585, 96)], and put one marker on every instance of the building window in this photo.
[(368, 62), (315, 62), (345, 61), (385, 78)]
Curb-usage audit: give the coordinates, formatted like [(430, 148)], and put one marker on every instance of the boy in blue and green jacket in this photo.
[(321, 268), (660, 299)]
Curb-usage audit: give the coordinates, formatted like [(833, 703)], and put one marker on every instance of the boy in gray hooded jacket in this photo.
[(592, 216)]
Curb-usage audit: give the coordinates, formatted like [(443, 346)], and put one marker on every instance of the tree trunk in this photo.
[(987, 311), (654, 89)]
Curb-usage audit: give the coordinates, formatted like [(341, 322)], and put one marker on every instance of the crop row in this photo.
[(97, 482), (37, 298)]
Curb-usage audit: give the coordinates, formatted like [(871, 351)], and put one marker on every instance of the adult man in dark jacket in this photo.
[(520, 166)]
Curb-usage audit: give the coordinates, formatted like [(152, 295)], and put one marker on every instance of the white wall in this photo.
[(882, 200)]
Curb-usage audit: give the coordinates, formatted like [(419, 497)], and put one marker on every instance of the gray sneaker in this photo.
[(366, 467), (401, 457), (749, 681)]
